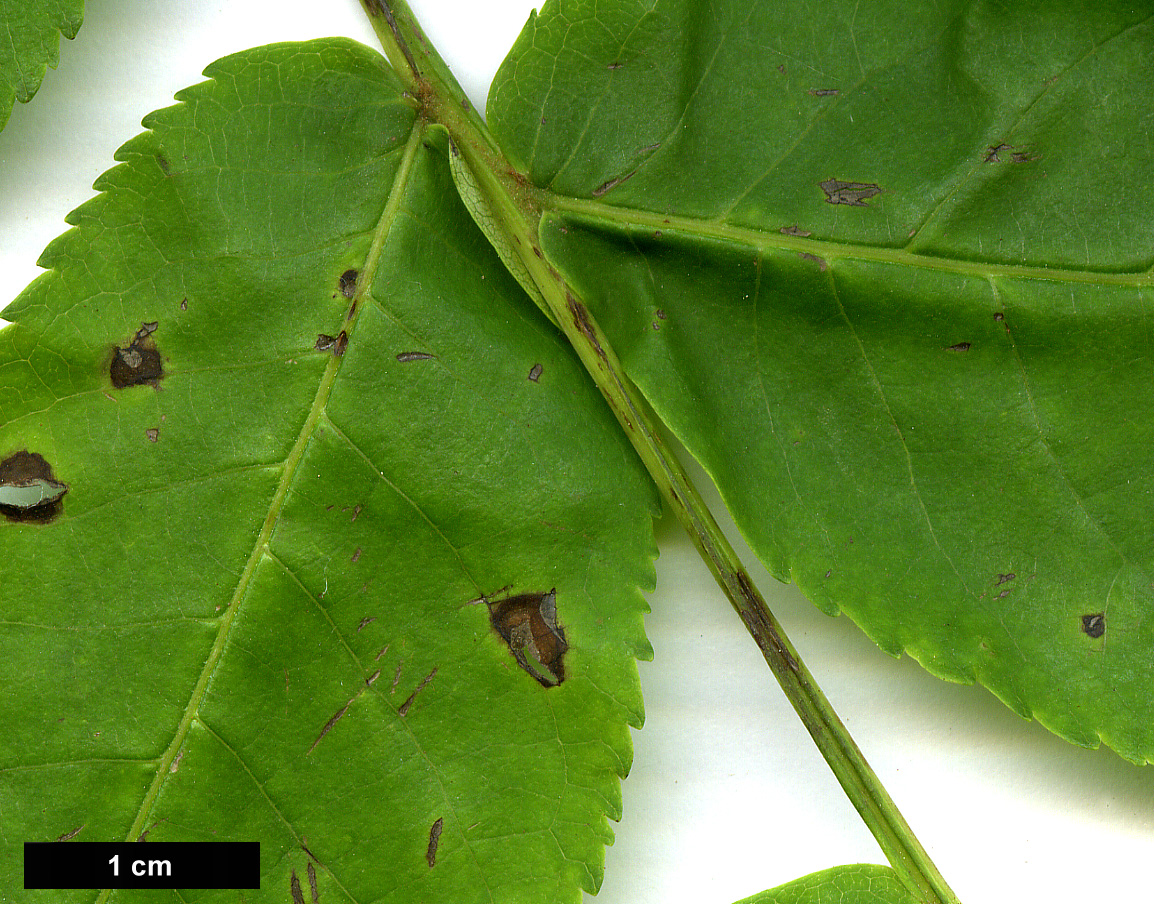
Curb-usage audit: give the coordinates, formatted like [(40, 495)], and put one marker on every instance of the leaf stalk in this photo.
[(516, 205)]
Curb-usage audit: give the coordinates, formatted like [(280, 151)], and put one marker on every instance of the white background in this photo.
[(727, 794)]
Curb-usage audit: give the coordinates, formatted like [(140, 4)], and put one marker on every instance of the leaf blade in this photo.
[(899, 403), (301, 649)]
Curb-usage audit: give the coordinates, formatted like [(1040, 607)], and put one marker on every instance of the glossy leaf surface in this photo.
[(858, 883), (888, 276), (30, 33), (308, 424)]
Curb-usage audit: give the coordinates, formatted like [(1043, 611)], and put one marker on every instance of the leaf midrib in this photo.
[(291, 465), (635, 220)]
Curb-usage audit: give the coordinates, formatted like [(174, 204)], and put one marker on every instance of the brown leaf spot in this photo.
[(295, 889), (406, 357), (528, 624), (348, 283), (434, 841), (31, 491), (813, 257), (153, 434), (795, 230), (138, 362), (404, 708), (852, 194), (823, 92), (535, 373), (1094, 624), (959, 347)]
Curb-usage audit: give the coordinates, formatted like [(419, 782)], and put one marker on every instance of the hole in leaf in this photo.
[(29, 491), (138, 363)]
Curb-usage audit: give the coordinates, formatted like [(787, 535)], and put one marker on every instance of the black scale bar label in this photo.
[(152, 864)]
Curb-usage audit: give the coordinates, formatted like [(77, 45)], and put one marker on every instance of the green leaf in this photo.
[(350, 553), (30, 33), (887, 276), (857, 883)]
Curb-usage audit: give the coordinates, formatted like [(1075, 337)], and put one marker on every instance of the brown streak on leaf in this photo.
[(367, 620), (406, 357), (68, 836), (313, 883), (434, 841), (413, 696), (295, 889), (333, 721)]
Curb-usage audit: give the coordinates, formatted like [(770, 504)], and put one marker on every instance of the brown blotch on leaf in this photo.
[(820, 261), (42, 498), (528, 624), (852, 194), (348, 283), (1005, 578), (153, 434), (1094, 624), (959, 347), (434, 841), (535, 373), (324, 342), (341, 344), (795, 230), (138, 362)]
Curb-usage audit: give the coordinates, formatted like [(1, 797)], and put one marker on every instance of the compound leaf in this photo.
[(333, 544), (887, 274)]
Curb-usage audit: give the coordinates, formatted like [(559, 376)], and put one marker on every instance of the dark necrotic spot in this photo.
[(528, 624), (348, 283), (324, 342), (138, 362), (434, 842), (29, 491), (535, 373), (1094, 625), (315, 892), (406, 357), (959, 347), (295, 889)]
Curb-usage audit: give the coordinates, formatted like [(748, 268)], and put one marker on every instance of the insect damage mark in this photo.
[(434, 841), (348, 283), (313, 892), (1018, 153), (138, 362), (852, 194), (535, 373), (580, 315), (1094, 624), (406, 357), (404, 708), (29, 491), (528, 624)]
